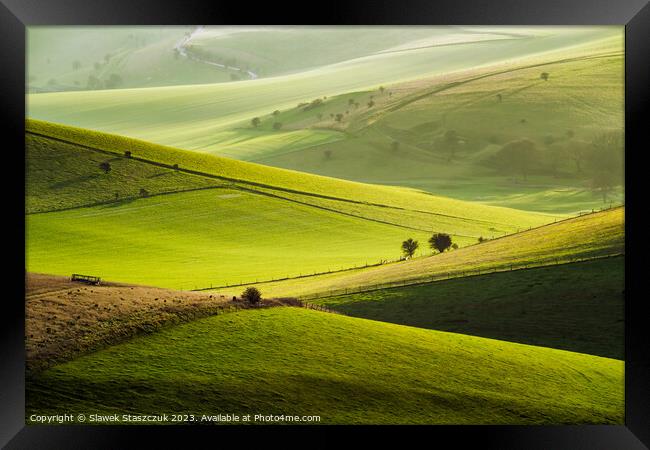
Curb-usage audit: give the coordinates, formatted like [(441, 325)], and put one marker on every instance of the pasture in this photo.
[(347, 370), (592, 235), (232, 222), (576, 307)]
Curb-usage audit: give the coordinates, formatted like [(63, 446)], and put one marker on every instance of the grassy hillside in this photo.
[(590, 235), (453, 85), (256, 176), (576, 307), (350, 371), (486, 108), (262, 223), (189, 116), (62, 175), (200, 238), (145, 56), (140, 56), (64, 318)]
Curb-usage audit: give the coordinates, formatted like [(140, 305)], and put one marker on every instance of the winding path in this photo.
[(181, 48)]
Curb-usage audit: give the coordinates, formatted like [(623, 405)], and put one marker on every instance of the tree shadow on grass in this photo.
[(73, 181)]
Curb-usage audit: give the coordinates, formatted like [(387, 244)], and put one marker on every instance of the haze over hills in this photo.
[(471, 91), (232, 194), (64, 58)]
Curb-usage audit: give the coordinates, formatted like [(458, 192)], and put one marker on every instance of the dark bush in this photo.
[(252, 295)]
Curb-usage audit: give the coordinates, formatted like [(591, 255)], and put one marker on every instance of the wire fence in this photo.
[(319, 308), (452, 275), (384, 262)]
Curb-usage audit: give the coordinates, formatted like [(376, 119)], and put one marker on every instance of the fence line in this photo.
[(319, 308), (384, 262), (453, 275)]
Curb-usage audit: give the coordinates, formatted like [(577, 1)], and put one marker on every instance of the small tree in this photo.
[(277, 125), (603, 181), (544, 76), (127, 154), (350, 101), (371, 103), (105, 166), (328, 154), (481, 239), (252, 295), (339, 117), (409, 247), (276, 112), (255, 121), (144, 192), (519, 157), (382, 89), (440, 242), (175, 166), (114, 80), (454, 246)]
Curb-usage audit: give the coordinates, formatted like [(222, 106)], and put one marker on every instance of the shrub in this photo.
[(252, 295), (105, 166)]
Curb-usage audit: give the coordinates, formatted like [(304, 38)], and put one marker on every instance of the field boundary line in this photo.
[(451, 276), (348, 269), (266, 186), (127, 199)]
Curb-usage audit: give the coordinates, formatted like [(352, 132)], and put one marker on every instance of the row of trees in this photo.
[(438, 242), (113, 81), (600, 161)]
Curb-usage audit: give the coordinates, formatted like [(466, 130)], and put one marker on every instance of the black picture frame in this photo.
[(16, 15)]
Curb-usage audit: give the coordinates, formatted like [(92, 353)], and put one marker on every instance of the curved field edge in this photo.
[(589, 236), (346, 370), (63, 176), (577, 307), (282, 179)]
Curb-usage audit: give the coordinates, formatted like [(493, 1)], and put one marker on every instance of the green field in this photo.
[(251, 223), (576, 307), (144, 167), (62, 175), (188, 116), (587, 236), (344, 369), (145, 56), (259, 176), (206, 237), (427, 99)]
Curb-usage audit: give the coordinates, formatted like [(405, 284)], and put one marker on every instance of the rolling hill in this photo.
[(189, 116), (587, 236), (451, 87), (576, 307), (294, 361), (62, 58), (219, 221)]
